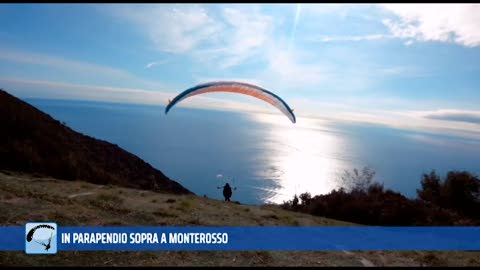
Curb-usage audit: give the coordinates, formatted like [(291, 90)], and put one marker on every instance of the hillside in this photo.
[(25, 198), (32, 141)]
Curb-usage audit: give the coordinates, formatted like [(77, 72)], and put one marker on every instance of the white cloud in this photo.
[(468, 116), (172, 28), (60, 90), (351, 38), (292, 69), (401, 71), (151, 64), (57, 62), (156, 63), (227, 35), (250, 31), (245, 34), (412, 121), (237, 34), (458, 23), (459, 123), (77, 70), (341, 10), (200, 79), (408, 42)]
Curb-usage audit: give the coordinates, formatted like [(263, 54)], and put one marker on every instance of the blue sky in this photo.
[(405, 66)]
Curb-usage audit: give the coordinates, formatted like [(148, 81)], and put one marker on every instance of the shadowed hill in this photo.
[(32, 141)]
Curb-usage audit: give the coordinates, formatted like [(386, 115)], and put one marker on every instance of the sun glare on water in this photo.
[(306, 157)]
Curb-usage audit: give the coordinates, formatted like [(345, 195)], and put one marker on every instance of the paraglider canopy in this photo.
[(235, 87)]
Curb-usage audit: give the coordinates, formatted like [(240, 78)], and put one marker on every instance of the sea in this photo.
[(264, 157)]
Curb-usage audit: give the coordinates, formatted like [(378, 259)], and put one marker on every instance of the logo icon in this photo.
[(41, 238)]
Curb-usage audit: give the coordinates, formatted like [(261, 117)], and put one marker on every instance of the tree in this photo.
[(357, 181), (306, 198), (460, 192), (431, 188), (295, 201)]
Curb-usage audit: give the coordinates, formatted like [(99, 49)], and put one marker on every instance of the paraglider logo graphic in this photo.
[(41, 238)]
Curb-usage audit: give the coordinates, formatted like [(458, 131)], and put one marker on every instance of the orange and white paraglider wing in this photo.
[(238, 88)]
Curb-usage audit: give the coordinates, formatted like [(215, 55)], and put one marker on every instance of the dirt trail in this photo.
[(80, 194)]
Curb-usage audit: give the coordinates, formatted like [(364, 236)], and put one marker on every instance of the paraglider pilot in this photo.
[(227, 192)]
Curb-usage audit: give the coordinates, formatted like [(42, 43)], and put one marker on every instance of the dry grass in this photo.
[(24, 198)]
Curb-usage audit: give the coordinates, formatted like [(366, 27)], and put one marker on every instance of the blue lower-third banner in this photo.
[(48, 238)]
